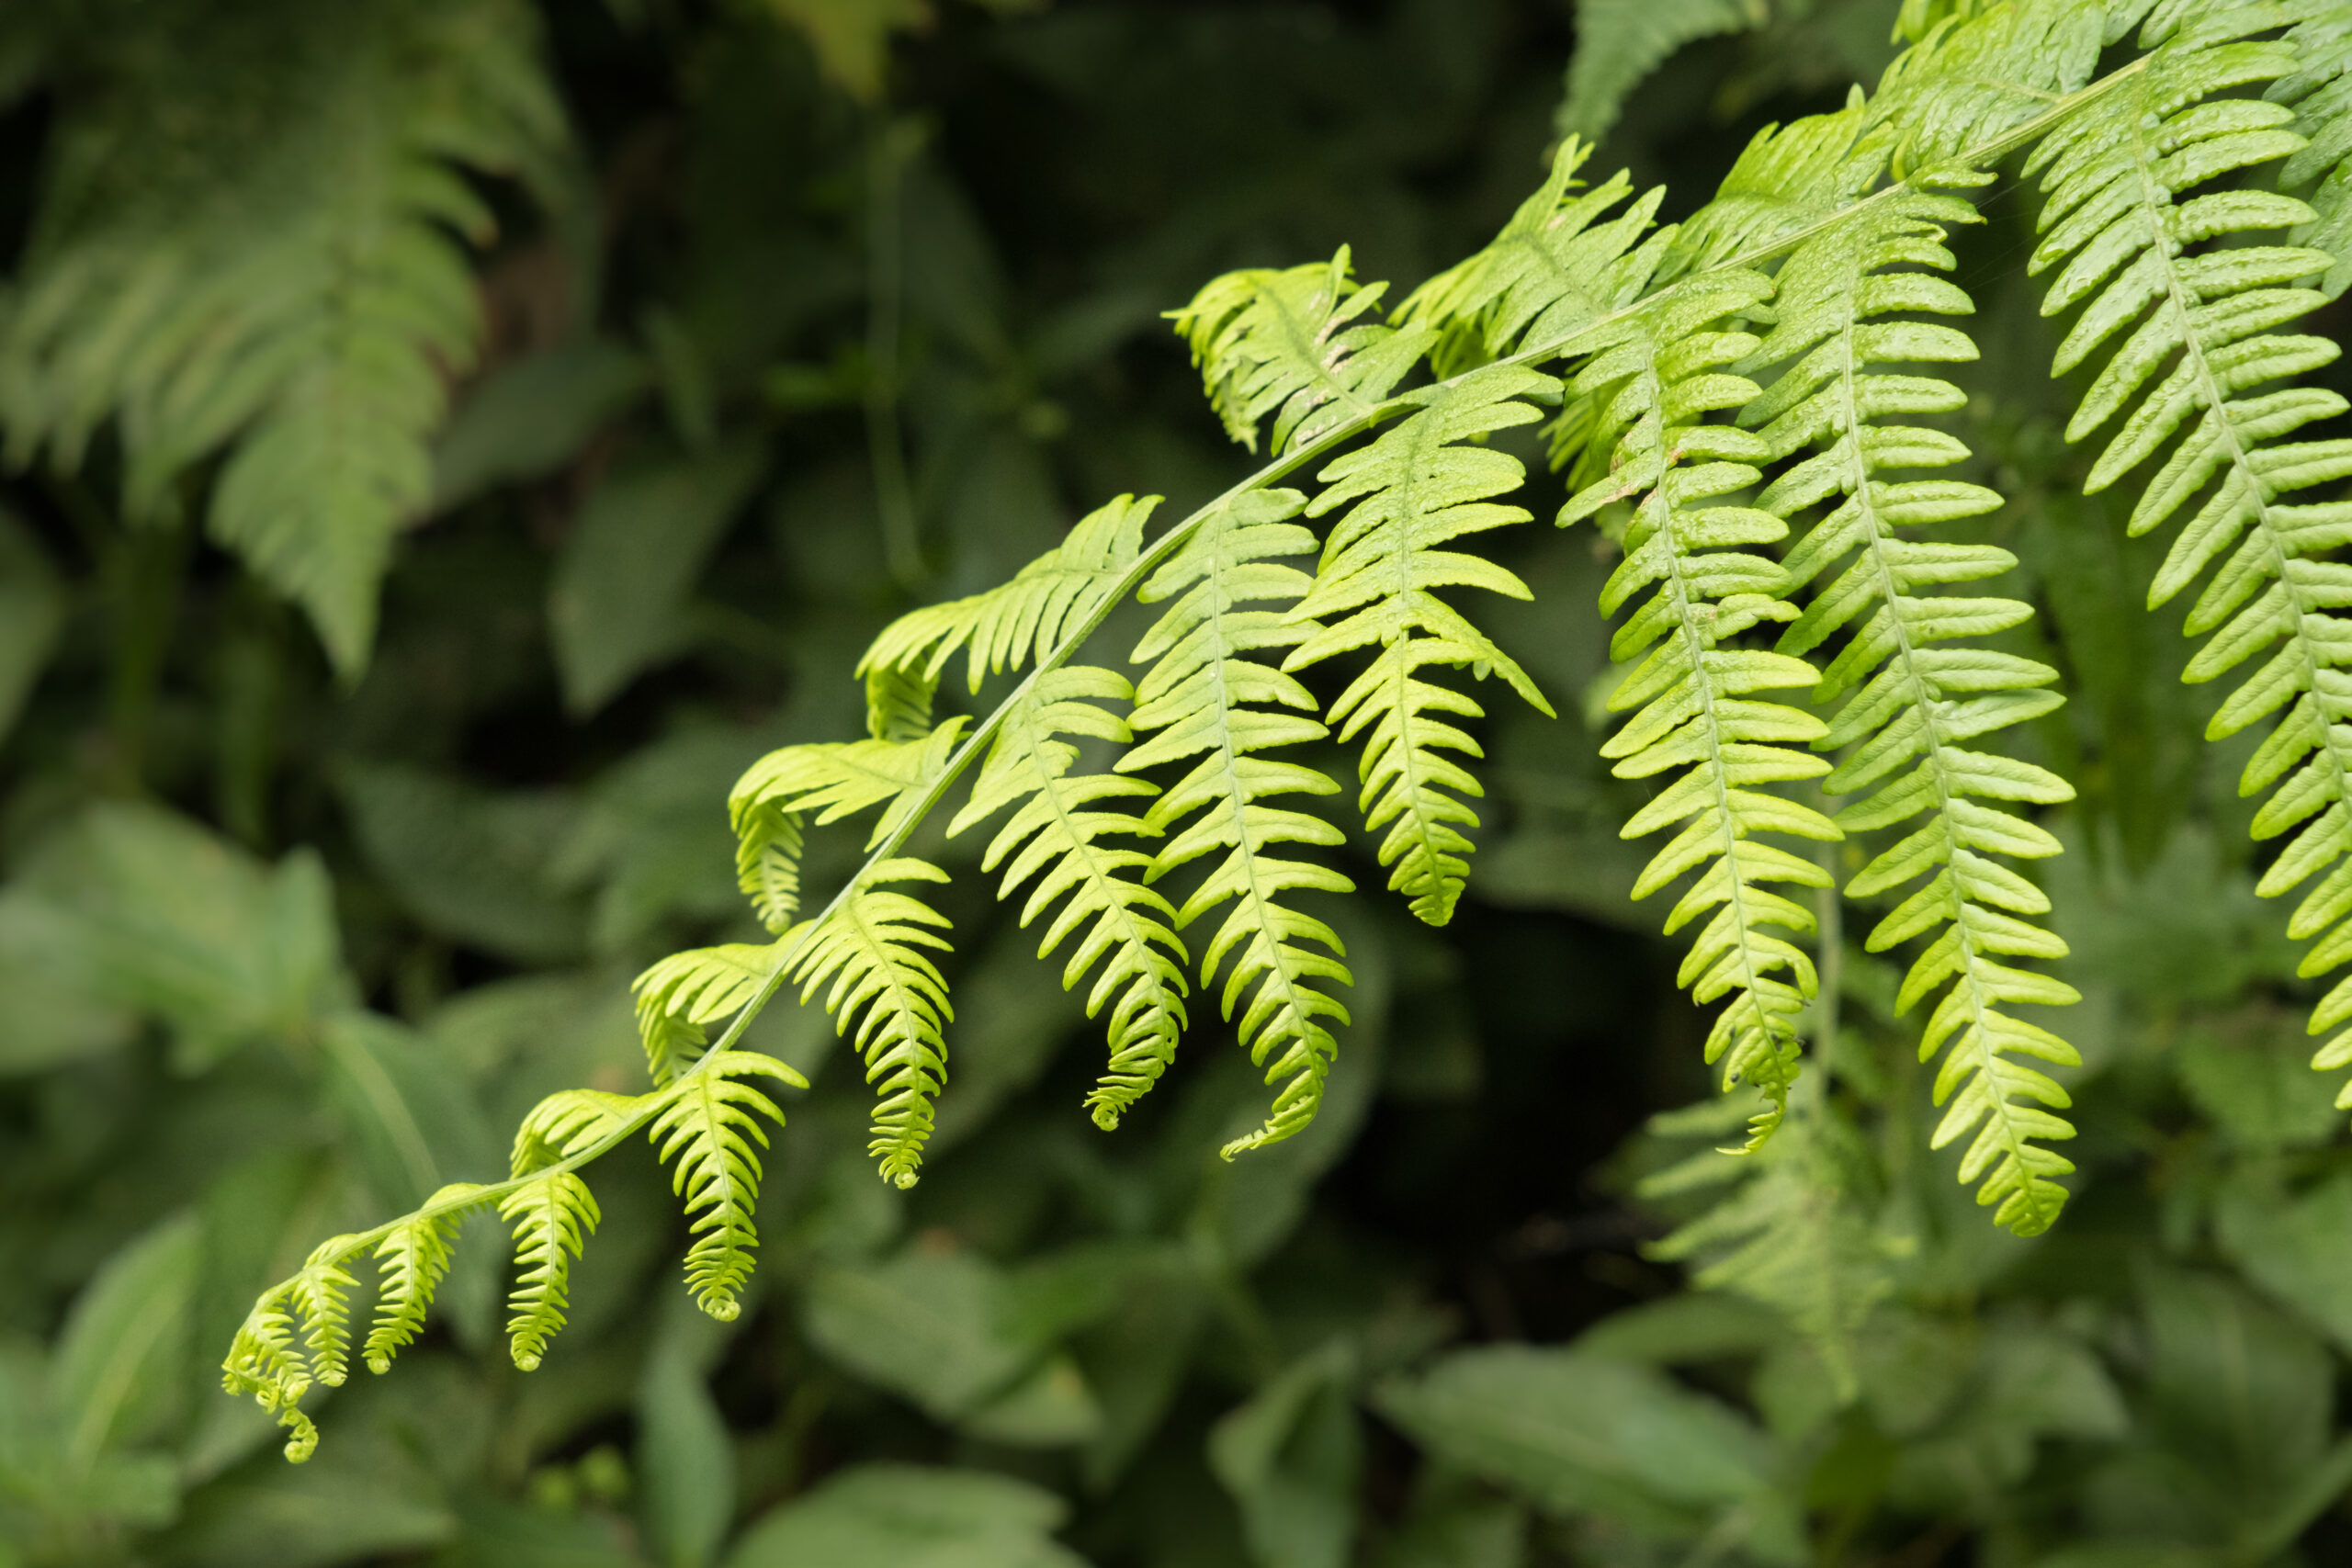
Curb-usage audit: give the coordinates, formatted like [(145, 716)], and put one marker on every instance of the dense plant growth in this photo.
[(1846, 628)]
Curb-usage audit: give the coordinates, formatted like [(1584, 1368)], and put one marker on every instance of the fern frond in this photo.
[(255, 241), (1620, 42), (1786, 180), (566, 1122), (317, 1291), (1977, 74), (1206, 698), (897, 702), (1906, 696), (1008, 626), (1053, 836), (1792, 1231), (892, 996), (1556, 266), (1292, 343), (2113, 176), (410, 1263), (2320, 92), (706, 1130), (837, 778), (553, 1215), (767, 862), (263, 1364), (677, 997), (1417, 488), (1659, 373)]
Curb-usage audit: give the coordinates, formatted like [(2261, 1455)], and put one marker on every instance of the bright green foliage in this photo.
[(1977, 75), (410, 1263), (1555, 267), (1905, 698), (893, 996), (301, 315), (1786, 635), (2112, 178), (1053, 837), (706, 1130), (1005, 628), (1291, 344), (1205, 698), (553, 1213), (1620, 42), (1794, 1229), (1418, 486), (678, 997), (2319, 90), (1655, 377)]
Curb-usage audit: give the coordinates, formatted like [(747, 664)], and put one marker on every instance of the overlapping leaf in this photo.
[(1847, 307), (2199, 337), (1421, 486), (1205, 698), (1655, 376), (1294, 345)]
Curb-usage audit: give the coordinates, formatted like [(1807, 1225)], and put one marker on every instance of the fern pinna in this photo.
[(1749, 406)]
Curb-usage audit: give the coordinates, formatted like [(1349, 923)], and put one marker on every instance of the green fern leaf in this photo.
[(767, 862), (1657, 374), (706, 1129), (1415, 488), (684, 992), (1792, 1231), (1206, 698), (1293, 345), (1009, 626), (2320, 92), (410, 1263), (1974, 77), (568, 1123), (1787, 179), (2113, 176), (1908, 698), (553, 1215), (263, 1364), (897, 701), (1620, 42), (1554, 268), (317, 1291), (1055, 837), (892, 997), (258, 250)]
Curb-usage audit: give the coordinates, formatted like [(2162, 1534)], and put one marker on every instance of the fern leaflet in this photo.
[(892, 996), (1659, 375), (410, 1263), (1415, 488), (706, 1128), (684, 992), (1291, 343), (1553, 267), (553, 1213), (1207, 699), (2114, 174), (1907, 698), (1053, 837), (1006, 627)]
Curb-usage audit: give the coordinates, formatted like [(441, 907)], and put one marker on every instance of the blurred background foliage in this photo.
[(450, 439)]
